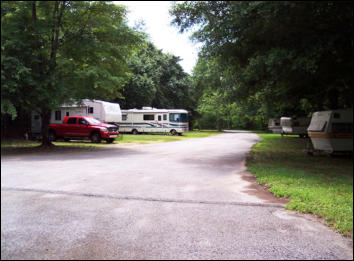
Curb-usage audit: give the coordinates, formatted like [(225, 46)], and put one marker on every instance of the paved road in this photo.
[(189, 199)]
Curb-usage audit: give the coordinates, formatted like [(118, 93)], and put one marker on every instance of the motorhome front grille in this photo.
[(112, 129)]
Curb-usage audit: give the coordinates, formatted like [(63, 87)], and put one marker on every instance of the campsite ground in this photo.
[(188, 199)]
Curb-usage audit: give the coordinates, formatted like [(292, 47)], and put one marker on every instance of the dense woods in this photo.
[(268, 59), (259, 59)]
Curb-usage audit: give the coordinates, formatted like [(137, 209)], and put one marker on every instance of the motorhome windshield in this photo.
[(93, 121), (178, 117)]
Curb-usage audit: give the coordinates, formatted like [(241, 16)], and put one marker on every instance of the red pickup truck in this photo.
[(81, 127)]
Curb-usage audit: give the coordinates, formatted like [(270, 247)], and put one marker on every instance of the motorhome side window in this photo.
[(72, 121), (149, 117), (159, 118), (124, 117), (58, 115), (90, 109), (165, 117)]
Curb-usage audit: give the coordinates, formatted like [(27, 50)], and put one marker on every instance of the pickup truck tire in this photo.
[(96, 137), (66, 139), (52, 135), (109, 140)]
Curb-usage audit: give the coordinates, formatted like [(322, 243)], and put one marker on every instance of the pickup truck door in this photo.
[(71, 128), (84, 130)]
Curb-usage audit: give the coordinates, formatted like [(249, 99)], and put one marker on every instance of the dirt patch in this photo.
[(260, 191)]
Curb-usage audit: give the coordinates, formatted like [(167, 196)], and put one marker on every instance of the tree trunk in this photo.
[(218, 124), (45, 115)]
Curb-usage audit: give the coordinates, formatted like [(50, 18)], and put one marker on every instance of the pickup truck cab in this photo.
[(82, 127)]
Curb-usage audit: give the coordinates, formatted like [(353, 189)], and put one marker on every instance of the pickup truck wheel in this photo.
[(96, 138), (109, 140), (66, 139), (52, 136)]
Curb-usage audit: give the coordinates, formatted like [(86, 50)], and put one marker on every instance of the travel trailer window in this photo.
[(149, 117), (342, 127), (124, 117), (67, 113), (178, 117), (90, 109), (58, 115), (72, 120)]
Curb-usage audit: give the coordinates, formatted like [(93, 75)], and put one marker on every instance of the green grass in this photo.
[(24, 145), (320, 185)]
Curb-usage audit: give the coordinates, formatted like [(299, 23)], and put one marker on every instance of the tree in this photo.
[(57, 51), (287, 54), (157, 80)]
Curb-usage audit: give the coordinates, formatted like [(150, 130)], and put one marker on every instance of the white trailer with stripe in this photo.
[(294, 125), (152, 120), (274, 125), (332, 131)]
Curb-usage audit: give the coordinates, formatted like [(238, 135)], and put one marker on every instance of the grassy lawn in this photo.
[(11, 145), (320, 185)]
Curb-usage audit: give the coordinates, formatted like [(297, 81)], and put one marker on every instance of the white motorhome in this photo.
[(274, 125), (106, 112), (294, 125), (174, 121), (332, 131)]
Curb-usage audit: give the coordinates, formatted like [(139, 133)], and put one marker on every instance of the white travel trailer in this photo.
[(294, 126), (106, 112), (174, 121), (274, 125), (332, 131)]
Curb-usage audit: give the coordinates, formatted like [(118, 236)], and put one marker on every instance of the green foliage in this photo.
[(323, 186), (289, 57), (157, 80), (56, 51)]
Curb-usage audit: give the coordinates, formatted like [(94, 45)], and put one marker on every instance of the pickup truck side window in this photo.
[(82, 121), (72, 121)]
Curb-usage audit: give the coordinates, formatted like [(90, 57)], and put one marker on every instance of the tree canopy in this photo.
[(157, 80), (56, 51), (291, 57)]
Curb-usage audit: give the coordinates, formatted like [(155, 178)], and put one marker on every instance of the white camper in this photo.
[(274, 125), (174, 121), (332, 131), (106, 112), (294, 126)]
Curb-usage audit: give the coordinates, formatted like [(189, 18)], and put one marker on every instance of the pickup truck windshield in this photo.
[(93, 121)]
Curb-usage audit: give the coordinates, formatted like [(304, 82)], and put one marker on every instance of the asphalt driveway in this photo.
[(189, 199)]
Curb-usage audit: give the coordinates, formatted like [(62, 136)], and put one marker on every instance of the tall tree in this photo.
[(56, 51), (157, 80), (294, 56)]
